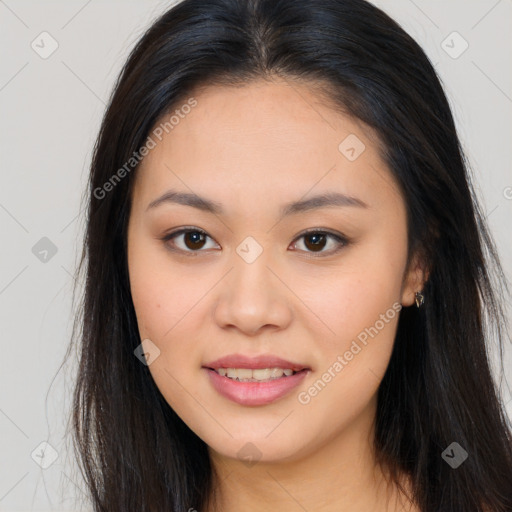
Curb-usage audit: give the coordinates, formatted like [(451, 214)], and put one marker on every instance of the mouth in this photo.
[(254, 381)]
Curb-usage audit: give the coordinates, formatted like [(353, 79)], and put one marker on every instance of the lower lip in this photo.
[(255, 393)]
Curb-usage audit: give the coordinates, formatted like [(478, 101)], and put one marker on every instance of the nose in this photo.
[(253, 298)]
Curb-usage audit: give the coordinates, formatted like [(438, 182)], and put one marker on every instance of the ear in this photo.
[(414, 280)]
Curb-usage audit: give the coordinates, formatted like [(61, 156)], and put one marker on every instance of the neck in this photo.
[(340, 475)]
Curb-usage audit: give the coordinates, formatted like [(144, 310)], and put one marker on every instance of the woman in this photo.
[(287, 300)]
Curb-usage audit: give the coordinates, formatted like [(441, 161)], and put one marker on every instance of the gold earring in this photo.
[(419, 298)]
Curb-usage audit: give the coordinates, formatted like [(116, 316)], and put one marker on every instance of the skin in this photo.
[(298, 304)]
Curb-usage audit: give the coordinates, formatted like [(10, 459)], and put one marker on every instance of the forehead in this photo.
[(262, 141)]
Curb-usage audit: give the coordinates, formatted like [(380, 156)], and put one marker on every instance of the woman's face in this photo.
[(254, 292)]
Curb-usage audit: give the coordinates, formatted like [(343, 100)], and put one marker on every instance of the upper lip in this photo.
[(256, 362)]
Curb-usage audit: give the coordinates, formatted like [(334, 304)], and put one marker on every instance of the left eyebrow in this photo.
[(322, 201), (316, 202)]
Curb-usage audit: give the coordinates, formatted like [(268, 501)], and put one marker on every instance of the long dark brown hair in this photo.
[(135, 453)]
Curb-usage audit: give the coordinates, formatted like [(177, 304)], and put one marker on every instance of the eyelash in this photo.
[(342, 240)]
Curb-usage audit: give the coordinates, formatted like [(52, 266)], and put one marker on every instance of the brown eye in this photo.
[(195, 239), (316, 240), (192, 240)]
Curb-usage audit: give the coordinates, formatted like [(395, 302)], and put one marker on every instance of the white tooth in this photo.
[(244, 373), (261, 374), (276, 373)]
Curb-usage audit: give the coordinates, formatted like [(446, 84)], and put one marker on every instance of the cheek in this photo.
[(162, 294), (360, 303), (364, 323), (168, 309), (167, 306), (352, 298), (364, 314)]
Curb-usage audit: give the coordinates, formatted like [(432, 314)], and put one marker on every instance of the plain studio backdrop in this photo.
[(59, 63)]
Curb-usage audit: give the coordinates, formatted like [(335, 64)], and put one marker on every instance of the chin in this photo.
[(251, 449)]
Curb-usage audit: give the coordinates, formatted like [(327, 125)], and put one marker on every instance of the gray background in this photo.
[(51, 109)]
